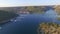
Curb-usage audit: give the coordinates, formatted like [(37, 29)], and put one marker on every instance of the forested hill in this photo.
[(34, 9), (5, 15)]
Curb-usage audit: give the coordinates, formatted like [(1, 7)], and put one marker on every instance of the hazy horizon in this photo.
[(12, 3)]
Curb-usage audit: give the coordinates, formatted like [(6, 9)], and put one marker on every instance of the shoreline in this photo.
[(5, 21)]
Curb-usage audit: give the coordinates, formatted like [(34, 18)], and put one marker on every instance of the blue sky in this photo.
[(28, 2)]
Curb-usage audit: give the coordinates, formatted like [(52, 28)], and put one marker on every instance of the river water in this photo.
[(28, 23)]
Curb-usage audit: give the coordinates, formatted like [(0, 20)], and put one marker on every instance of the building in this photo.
[(23, 12)]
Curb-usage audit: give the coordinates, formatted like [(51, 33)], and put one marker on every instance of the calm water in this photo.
[(27, 23)]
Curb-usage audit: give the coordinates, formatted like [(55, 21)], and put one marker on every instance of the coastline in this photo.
[(5, 21)]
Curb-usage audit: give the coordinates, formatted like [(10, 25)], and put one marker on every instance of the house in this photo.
[(23, 12)]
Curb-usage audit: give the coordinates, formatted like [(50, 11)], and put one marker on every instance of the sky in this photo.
[(8, 3)]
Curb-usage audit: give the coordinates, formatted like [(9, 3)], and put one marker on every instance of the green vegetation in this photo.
[(58, 18), (33, 9), (57, 9), (49, 28), (5, 15)]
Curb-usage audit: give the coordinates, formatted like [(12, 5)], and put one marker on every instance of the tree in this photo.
[(57, 9), (48, 28), (33, 9)]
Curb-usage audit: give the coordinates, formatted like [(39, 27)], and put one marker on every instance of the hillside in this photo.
[(57, 9), (31, 9), (4, 15)]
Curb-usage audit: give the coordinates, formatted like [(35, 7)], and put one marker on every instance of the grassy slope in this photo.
[(4, 15)]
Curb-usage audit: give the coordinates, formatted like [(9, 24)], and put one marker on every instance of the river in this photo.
[(27, 23)]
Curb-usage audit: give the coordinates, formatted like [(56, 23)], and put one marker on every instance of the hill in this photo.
[(5, 16), (30, 9)]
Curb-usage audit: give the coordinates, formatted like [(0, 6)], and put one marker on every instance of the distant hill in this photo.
[(11, 9), (36, 9)]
